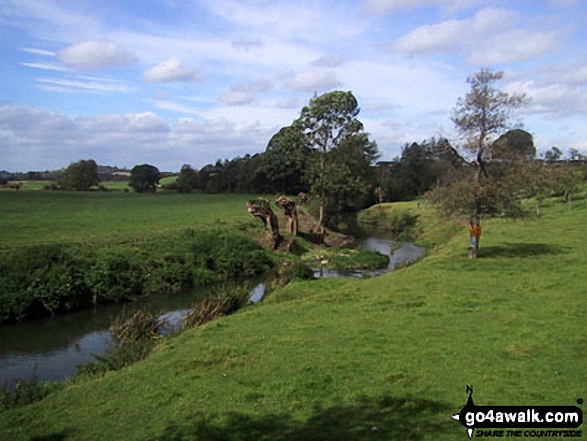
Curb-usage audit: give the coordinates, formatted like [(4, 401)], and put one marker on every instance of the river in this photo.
[(53, 346)]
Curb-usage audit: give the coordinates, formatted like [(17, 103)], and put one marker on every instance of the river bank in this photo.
[(52, 347)]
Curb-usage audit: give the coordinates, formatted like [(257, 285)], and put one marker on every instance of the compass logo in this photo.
[(507, 418)]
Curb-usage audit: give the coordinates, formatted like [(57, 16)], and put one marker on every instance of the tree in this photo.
[(187, 180), (328, 120), (80, 176), (553, 155), (492, 186), (285, 162), (144, 178), (348, 183)]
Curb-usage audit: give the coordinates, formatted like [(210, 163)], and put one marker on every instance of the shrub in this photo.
[(114, 278), (25, 392)]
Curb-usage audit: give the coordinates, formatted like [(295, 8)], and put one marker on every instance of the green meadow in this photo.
[(386, 358), (33, 217)]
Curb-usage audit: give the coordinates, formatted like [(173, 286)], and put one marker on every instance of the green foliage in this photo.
[(50, 279), (187, 180), (80, 176), (338, 172), (144, 178), (114, 278), (41, 280), (284, 163), (229, 254), (402, 223), (492, 185), (357, 260), (24, 392)]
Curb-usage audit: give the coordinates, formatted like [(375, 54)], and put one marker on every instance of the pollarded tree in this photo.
[(493, 185), (144, 178), (327, 121)]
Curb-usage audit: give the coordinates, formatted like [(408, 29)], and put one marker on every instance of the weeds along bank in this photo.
[(55, 278)]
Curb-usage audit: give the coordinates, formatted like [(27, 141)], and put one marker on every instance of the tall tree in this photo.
[(328, 120), (489, 188), (285, 162), (80, 176)]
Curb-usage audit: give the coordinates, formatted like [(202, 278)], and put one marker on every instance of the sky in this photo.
[(173, 82)]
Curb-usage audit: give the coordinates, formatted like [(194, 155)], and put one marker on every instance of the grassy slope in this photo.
[(386, 358), (38, 217)]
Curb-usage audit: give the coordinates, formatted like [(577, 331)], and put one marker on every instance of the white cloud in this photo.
[(42, 52), (449, 35), (388, 6), (328, 61), (169, 71), (46, 66), (247, 45), (556, 99), (491, 36), (316, 81), (391, 6), (96, 54), (244, 93), (516, 45), (31, 138), (86, 84)]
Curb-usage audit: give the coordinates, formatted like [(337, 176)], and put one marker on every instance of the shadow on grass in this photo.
[(520, 250), (62, 436), (384, 418)]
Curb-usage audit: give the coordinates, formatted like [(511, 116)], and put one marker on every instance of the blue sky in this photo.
[(172, 82)]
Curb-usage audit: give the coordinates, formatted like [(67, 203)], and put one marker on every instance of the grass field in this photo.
[(32, 217), (379, 359)]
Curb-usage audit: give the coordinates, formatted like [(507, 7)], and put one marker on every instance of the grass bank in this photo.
[(383, 358)]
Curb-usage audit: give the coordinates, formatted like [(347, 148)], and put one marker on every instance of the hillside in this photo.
[(384, 358)]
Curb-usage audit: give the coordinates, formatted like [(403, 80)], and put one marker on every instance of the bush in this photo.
[(50, 279), (41, 280), (26, 392), (114, 278)]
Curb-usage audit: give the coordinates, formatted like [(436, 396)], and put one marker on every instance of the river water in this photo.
[(52, 347)]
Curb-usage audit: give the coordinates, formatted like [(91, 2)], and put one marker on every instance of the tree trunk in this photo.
[(289, 209), (261, 209)]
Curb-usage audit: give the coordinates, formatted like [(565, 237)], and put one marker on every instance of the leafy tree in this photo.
[(80, 176), (285, 162), (553, 155), (328, 120), (347, 179), (144, 178), (187, 180), (513, 144), (492, 186)]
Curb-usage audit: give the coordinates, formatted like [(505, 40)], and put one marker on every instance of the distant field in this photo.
[(111, 185), (30, 217)]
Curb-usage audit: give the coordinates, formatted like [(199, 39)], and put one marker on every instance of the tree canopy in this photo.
[(327, 121), (144, 178), (80, 176)]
